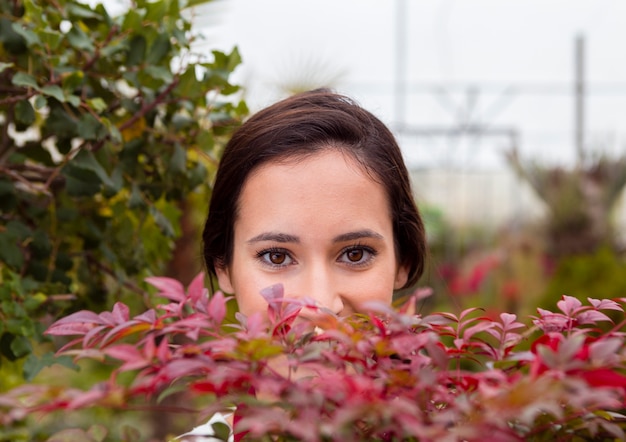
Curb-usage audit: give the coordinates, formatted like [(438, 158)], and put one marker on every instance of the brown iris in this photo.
[(355, 255), (277, 258)]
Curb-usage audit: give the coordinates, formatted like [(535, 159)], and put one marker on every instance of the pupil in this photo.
[(277, 258), (355, 255)]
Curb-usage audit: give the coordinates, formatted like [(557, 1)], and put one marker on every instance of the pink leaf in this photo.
[(57, 329), (82, 317), (481, 326), (168, 288), (87, 398), (120, 312), (592, 316), (124, 352), (569, 305), (271, 295), (605, 304), (217, 307), (129, 354), (91, 335), (196, 289), (148, 316)]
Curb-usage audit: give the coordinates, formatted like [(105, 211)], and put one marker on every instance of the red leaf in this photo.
[(604, 377)]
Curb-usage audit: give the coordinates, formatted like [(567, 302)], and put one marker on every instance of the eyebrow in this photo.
[(274, 236), (286, 238), (359, 234)]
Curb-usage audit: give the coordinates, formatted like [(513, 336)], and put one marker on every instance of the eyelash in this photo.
[(261, 256)]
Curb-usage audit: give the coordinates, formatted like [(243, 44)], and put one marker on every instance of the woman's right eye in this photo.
[(275, 258)]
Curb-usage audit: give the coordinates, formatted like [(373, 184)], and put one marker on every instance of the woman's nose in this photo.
[(320, 285)]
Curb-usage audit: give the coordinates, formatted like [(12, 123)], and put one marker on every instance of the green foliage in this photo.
[(106, 125), (596, 275)]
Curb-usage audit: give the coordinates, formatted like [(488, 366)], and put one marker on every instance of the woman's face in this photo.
[(321, 227)]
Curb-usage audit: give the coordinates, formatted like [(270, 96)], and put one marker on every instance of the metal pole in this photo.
[(579, 92)]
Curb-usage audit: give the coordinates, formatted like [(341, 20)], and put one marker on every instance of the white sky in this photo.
[(493, 45)]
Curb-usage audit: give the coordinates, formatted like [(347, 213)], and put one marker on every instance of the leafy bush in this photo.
[(107, 124), (383, 375), (602, 273)]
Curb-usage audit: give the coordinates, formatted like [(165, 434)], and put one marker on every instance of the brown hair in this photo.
[(300, 126)]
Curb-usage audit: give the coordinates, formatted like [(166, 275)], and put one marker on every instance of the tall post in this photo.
[(579, 92), (400, 86)]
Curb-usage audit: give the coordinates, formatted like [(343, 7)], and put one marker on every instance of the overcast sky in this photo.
[(515, 57), (498, 64)]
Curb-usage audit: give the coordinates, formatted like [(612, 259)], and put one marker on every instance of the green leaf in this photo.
[(76, 187), (164, 224), (188, 85), (40, 102), (79, 39), (132, 20), (32, 39), (85, 159), (73, 100), (81, 12), (182, 121), (221, 430), (156, 11), (5, 346), (54, 91), (36, 152), (33, 10), (73, 80), (22, 79), (159, 49), (12, 41), (62, 125), (137, 51), (34, 301), (135, 200), (97, 104), (6, 188), (33, 365), (178, 162), (18, 230), (51, 38), (24, 112), (20, 346), (10, 252), (89, 128), (159, 73)]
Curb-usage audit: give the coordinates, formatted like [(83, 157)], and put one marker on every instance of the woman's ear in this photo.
[(223, 279), (402, 275)]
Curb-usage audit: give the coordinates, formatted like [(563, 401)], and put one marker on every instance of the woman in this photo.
[(312, 193)]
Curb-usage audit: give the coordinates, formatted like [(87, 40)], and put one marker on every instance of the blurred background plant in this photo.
[(109, 127)]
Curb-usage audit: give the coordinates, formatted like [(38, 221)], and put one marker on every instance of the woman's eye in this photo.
[(357, 255), (275, 258)]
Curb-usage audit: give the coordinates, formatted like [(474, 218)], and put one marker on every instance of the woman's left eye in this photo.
[(356, 255)]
